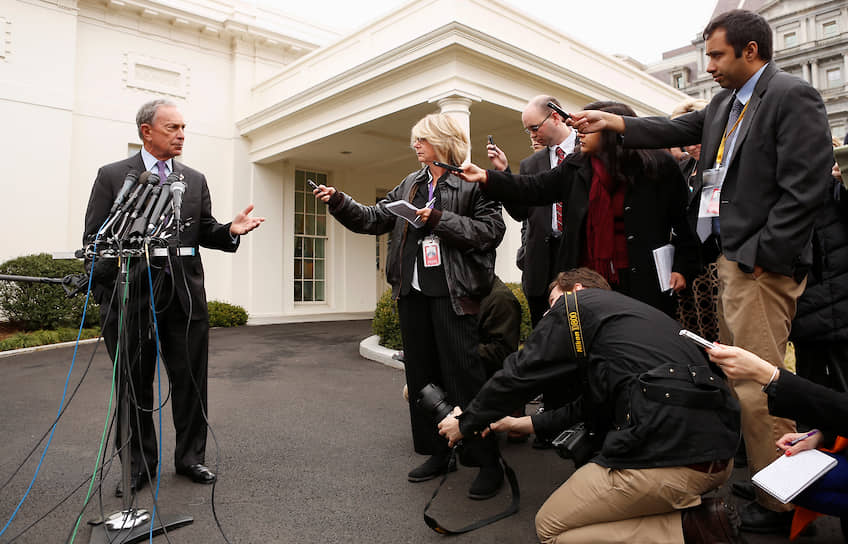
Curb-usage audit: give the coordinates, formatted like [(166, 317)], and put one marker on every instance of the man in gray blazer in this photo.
[(179, 297), (766, 152)]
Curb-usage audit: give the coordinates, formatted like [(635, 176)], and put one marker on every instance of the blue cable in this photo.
[(64, 392)]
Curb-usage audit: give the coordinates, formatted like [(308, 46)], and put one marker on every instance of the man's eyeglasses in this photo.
[(535, 128)]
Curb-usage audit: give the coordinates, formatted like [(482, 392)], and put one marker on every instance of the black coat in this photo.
[(774, 182), (822, 313), (623, 339), (654, 207)]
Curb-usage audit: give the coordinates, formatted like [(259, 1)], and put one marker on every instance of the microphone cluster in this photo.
[(145, 208)]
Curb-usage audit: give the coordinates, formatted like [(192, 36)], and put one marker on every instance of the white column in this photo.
[(814, 67), (805, 67), (844, 70), (458, 107)]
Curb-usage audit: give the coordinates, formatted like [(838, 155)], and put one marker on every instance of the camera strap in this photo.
[(575, 329), (510, 510)]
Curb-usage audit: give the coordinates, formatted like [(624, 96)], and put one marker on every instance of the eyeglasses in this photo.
[(535, 128)]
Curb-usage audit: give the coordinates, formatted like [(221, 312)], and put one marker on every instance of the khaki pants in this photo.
[(598, 505), (756, 314)]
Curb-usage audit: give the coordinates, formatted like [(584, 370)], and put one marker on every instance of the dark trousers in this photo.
[(185, 358), (440, 347)]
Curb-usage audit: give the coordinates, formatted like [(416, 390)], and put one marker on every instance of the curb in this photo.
[(370, 348), (21, 351)]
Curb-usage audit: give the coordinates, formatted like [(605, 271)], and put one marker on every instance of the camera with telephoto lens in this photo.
[(432, 399), (575, 443)]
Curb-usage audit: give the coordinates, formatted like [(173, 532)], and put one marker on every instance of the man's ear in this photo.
[(578, 286)]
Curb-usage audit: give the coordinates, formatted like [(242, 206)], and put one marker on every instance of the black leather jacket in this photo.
[(469, 227)]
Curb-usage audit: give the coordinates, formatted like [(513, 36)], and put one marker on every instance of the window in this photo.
[(310, 239), (829, 29), (834, 78), (790, 39), (679, 81)]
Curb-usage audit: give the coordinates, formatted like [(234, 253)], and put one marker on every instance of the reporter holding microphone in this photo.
[(440, 266), (794, 397)]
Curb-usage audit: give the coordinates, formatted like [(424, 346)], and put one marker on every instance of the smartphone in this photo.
[(448, 166), (311, 184), (491, 140), (562, 113), (706, 344)]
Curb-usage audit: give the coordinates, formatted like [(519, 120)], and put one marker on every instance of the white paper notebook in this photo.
[(786, 476), (404, 209)]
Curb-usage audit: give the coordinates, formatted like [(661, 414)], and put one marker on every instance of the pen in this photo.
[(803, 437), (430, 203)]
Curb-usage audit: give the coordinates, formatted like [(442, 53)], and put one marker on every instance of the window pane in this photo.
[(321, 225), (299, 199), (308, 269), (298, 291), (319, 290), (307, 291), (319, 248), (307, 247), (310, 204), (299, 180), (298, 223), (319, 269), (298, 247), (298, 267), (322, 179), (310, 224)]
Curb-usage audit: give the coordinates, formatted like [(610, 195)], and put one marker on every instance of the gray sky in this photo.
[(642, 29)]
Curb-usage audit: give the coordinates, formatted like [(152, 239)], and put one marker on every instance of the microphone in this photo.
[(158, 213), (129, 181), (152, 181), (177, 191)]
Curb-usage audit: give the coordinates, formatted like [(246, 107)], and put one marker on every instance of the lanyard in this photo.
[(727, 133)]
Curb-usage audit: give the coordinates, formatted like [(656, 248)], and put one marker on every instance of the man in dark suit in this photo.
[(765, 140), (541, 233), (179, 296)]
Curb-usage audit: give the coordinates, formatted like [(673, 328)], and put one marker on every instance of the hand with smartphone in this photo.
[(703, 342), (452, 168), (496, 156), (321, 192)]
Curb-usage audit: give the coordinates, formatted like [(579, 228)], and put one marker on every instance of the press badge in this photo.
[(711, 192), (432, 252)]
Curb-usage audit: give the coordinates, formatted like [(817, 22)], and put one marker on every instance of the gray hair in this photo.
[(147, 112)]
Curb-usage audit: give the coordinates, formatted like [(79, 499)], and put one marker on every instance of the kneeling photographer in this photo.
[(666, 422)]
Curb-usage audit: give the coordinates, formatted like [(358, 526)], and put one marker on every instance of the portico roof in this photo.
[(362, 94)]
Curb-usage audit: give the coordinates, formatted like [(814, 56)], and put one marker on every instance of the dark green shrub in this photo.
[(40, 338), (386, 323), (222, 314), (42, 305), (526, 325)]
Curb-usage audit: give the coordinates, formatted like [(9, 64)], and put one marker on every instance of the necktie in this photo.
[(162, 176), (730, 136), (560, 156)]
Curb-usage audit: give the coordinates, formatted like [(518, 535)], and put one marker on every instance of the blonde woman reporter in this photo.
[(440, 267)]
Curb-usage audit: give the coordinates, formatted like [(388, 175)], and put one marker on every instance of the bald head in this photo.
[(545, 126)]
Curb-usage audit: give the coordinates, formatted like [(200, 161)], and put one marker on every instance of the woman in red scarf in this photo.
[(619, 205)]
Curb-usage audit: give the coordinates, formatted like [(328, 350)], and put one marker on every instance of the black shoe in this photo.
[(744, 490), (758, 519), (487, 483), (138, 481), (198, 474), (711, 522), (436, 465)]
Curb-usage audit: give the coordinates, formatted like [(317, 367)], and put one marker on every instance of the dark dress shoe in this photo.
[(744, 490), (436, 465), (138, 481), (487, 483), (711, 522), (758, 519), (198, 474)]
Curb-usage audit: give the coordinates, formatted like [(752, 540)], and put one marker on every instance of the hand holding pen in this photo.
[(793, 443), (424, 213)]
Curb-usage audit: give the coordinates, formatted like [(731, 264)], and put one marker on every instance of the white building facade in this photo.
[(269, 101)]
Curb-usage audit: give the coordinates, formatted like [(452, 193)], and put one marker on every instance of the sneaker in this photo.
[(487, 483), (436, 465)]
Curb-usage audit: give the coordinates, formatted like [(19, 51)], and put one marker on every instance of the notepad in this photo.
[(664, 260), (785, 477), (402, 208)]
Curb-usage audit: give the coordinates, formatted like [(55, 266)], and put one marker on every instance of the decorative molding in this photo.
[(157, 75), (5, 38)]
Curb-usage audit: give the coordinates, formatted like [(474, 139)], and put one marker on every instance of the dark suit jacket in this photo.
[(774, 181), (796, 398), (536, 231), (202, 230), (653, 207)]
